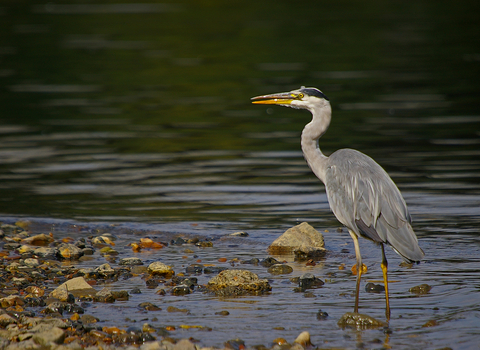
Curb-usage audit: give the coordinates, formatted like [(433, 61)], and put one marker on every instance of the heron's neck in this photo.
[(310, 135)]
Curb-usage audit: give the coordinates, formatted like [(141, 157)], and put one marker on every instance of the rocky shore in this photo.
[(45, 298)]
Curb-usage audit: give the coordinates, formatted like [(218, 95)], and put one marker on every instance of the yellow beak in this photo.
[(284, 98)]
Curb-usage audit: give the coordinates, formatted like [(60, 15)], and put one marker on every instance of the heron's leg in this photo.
[(359, 267), (385, 281)]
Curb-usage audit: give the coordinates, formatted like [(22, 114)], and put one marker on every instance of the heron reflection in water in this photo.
[(360, 193)]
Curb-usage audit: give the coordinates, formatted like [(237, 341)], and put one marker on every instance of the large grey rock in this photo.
[(299, 239)]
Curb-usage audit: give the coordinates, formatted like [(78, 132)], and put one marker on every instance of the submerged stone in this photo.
[(374, 288), (360, 321), (421, 289), (280, 269)]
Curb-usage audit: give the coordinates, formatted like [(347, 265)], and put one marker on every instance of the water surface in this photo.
[(138, 116)]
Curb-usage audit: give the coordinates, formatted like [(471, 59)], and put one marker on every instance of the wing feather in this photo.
[(366, 200)]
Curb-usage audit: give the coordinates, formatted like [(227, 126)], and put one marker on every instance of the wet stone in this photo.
[(67, 251), (88, 319), (239, 234), (209, 270), (303, 339), (307, 281), (55, 307), (136, 290), (105, 296), (267, 262), (359, 321), (105, 270), (181, 290), (280, 269), (374, 288), (190, 282), (11, 246), (138, 269), (53, 335), (6, 320), (322, 315), (222, 313), (152, 283), (31, 262), (76, 286), (130, 261), (108, 251), (88, 251), (178, 241), (194, 269), (236, 283), (302, 238), (104, 239), (235, 344), (149, 306), (160, 269), (204, 244), (176, 309), (38, 240), (45, 253), (421, 289), (253, 261), (121, 295)]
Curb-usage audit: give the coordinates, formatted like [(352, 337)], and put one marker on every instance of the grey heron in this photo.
[(361, 194)]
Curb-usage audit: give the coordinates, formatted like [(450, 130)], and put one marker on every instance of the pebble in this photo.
[(303, 339), (421, 289), (149, 306), (160, 269), (280, 269), (130, 261), (374, 288), (68, 251), (322, 315)]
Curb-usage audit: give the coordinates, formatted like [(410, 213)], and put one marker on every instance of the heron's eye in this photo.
[(300, 96)]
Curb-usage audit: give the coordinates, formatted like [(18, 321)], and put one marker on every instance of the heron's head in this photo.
[(304, 98)]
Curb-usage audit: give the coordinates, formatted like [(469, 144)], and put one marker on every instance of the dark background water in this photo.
[(139, 114)]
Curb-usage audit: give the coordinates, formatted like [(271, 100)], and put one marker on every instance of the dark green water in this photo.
[(139, 114)]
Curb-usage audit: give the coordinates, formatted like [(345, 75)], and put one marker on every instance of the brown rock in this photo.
[(160, 269), (76, 286), (302, 239), (38, 240), (359, 321), (237, 282)]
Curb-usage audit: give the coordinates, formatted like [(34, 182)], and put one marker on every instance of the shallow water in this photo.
[(136, 119)]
